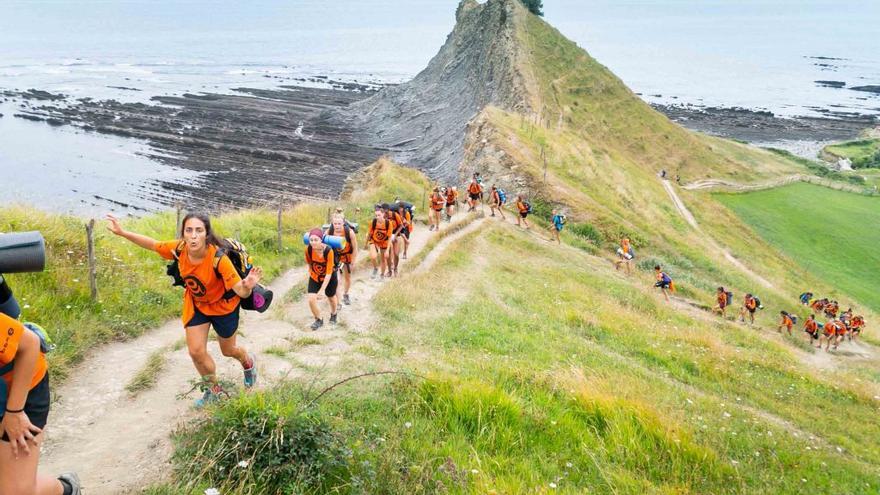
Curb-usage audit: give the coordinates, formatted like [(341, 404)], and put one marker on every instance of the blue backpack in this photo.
[(502, 196)]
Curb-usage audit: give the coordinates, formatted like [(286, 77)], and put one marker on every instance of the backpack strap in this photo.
[(6, 368), (178, 250)]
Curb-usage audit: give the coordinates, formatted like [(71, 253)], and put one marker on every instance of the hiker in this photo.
[(664, 282), (437, 203), (818, 305), (831, 309), (497, 198), (833, 334), (451, 201), (346, 257), (625, 255), (805, 298), (558, 225), (750, 305), (855, 326), (788, 321), (25, 374), (475, 193), (394, 243), (321, 260), (214, 290), (811, 328), (723, 299), (524, 208), (378, 237), (406, 215)]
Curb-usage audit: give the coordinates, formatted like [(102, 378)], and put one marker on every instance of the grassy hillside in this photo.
[(541, 370), (831, 233), (134, 294)]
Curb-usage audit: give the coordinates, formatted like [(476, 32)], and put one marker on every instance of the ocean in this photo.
[(753, 54)]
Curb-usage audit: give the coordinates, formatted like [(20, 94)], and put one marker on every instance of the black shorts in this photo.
[(662, 285), (314, 287), (523, 214), (405, 233), (815, 335), (474, 197), (752, 311), (224, 325), (36, 406)]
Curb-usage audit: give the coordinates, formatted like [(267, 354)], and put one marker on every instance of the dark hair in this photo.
[(656, 267), (813, 316), (721, 289), (210, 235)]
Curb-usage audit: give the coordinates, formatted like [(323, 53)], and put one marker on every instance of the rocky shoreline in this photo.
[(763, 126), (251, 148)]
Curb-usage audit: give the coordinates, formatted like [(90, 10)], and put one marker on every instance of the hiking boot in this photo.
[(72, 480), (431, 228), (492, 215), (404, 255), (375, 272), (317, 324), (250, 374), (346, 300), (333, 319), (211, 395)]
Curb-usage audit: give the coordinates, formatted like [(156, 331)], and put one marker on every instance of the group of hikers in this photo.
[(220, 280), (839, 325)]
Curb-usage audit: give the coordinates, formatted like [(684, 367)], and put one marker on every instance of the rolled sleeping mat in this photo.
[(333, 241), (22, 252)]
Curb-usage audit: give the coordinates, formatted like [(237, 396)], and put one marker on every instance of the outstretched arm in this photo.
[(138, 239)]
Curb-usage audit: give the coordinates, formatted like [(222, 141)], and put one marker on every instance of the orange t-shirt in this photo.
[(437, 201), (521, 206), (12, 331), (786, 321), (319, 266), (475, 188), (811, 326), (381, 234), (204, 290), (451, 197)]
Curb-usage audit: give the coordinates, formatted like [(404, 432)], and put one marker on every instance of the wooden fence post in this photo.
[(93, 269), (280, 209), (179, 207)]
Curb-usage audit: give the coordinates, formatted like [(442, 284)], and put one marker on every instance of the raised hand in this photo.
[(113, 224)]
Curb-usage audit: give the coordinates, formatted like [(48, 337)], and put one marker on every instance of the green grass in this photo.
[(147, 377), (864, 153), (834, 234)]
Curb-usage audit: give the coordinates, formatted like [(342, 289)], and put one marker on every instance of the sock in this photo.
[(68, 489)]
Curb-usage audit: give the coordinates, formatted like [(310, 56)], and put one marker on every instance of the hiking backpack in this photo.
[(261, 297), (46, 346), (528, 206), (409, 207), (729, 295), (758, 304), (502, 196)]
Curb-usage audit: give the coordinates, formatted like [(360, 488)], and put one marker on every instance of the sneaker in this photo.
[(431, 228), (317, 324), (250, 374), (346, 300), (375, 272), (404, 255), (211, 395), (333, 319), (73, 480)]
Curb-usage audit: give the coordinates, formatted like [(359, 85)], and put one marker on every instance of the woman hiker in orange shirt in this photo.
[(212, 297)]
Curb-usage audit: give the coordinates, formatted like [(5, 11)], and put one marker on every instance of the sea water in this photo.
[(746, 53)]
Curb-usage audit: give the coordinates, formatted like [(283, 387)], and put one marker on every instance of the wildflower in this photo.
[(212, 491), (569, 465), (68, 306), (726, 414), (552, 485), (407, 425), (475, 471), (243, 464)]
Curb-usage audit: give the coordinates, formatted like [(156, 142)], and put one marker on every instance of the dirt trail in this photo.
[(730, 186), (692, 221), (120, 444)]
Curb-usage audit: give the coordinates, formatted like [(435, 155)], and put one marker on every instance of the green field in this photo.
[(834, 234)]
